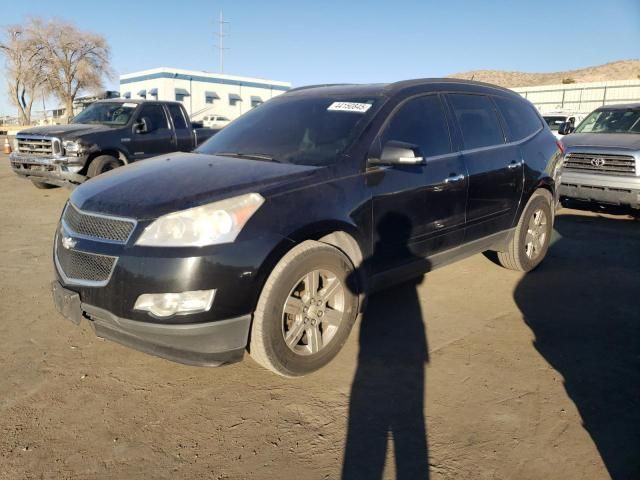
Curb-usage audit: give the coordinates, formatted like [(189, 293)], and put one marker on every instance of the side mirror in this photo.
[(565, 128), (398, 153), (143, 126)]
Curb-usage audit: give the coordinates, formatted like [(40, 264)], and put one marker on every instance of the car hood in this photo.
[(154, 187), (64, 131), (627, 141)]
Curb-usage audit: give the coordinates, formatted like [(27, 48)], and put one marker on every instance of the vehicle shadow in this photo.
[(582, 305), (387, 394)]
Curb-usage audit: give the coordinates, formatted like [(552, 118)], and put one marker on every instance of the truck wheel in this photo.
[(43, 185), (102, 164), (305, 311), (530, 241)]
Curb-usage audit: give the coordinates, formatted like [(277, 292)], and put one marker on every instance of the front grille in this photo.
[(82, 266), (97, 226), (39, 146), (622, 165)]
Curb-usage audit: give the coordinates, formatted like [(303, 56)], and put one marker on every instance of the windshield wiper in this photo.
[(250, 156)]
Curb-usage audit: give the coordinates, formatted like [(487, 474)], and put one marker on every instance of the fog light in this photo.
[(167, 304)]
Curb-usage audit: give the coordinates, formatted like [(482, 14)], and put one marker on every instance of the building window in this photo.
[(126, 95), (154, 93), (234, 98), (142, 93), (209, 97), (255, 101), (181, 93)]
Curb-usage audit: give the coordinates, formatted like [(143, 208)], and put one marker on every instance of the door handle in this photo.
[(514, 164), (453, 178)]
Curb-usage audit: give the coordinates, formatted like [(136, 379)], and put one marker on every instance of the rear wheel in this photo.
[(530, 241), (305, 312), (102, 164), (43, 185)]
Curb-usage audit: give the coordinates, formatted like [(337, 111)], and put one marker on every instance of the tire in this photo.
[(329, 322), (101, 164), (527, 249), (43, 185)]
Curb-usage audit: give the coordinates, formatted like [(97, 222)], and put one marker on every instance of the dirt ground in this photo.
[(506, 376)]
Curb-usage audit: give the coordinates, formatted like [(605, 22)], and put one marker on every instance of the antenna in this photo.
[(221, 47)]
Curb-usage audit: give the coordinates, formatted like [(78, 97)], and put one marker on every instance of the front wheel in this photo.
[(530, 241), (305, 312), (102, 164)]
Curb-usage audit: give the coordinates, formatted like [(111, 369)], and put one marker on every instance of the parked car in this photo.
[(556, 119), (602, 163), (106, 135), (215, 121), (269, 235)]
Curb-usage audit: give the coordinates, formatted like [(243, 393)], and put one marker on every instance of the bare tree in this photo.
[(26, 73), (75, 61)]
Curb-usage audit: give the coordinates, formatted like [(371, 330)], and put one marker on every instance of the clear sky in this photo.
[(324, 41)]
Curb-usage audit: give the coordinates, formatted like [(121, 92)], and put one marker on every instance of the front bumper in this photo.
[(606, 189), (203, 344), (60, 171)]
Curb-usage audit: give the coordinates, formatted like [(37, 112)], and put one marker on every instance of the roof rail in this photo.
[(305, 87)]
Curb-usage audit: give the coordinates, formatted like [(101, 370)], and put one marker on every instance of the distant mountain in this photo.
[(620, 70)]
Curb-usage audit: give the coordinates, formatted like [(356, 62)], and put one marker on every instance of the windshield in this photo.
[(611, 121), (114, 114), (555, 122), (299, 130)]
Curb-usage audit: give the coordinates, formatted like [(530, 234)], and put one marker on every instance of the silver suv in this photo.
[(602, 160)]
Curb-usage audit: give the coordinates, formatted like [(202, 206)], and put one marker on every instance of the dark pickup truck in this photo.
[(104, 136)]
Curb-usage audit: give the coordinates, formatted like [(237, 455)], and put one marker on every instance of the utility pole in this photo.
[(221, 47)]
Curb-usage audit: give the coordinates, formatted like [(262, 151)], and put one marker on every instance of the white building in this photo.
[(202, 93), (581, 97)]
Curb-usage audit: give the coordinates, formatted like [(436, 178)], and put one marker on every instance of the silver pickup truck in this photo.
[(602, 158)]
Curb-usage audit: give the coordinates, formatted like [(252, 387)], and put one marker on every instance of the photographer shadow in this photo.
[(387, 393)]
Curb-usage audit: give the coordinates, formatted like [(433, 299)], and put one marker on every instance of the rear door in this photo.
[(494, 166), (182, 128), (418, 210), (159, 139)]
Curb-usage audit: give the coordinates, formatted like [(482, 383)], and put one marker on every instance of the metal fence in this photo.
[(581, 97)]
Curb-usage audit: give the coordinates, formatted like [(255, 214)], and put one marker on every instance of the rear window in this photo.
[(177, 116), (477, 119), (521, 119)]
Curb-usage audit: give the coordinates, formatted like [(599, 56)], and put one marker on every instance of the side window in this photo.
[(155, 115), (177, 116), (477, 119), (421, 121), (520, 117)]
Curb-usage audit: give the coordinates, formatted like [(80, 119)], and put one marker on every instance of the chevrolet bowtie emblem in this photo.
[(68, 242)]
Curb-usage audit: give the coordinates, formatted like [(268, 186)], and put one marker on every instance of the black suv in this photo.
[(270, 234)]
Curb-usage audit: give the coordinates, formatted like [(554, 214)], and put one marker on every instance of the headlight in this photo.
[(71, 147), (212, 224), (16, 145)]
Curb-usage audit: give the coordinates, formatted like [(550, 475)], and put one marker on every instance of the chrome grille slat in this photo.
[(621, 165), (35, 146), (95, 226)]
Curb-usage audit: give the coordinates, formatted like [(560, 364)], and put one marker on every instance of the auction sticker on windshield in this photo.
[(349, 107), (130, 105)]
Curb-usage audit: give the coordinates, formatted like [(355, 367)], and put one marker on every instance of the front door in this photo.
[(418, 210), (495, 168), (158, 138)]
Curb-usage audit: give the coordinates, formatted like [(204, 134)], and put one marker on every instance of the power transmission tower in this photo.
[(221, 47)]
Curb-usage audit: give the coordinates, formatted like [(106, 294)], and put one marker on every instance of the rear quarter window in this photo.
[(520, 117), (477, 119)]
